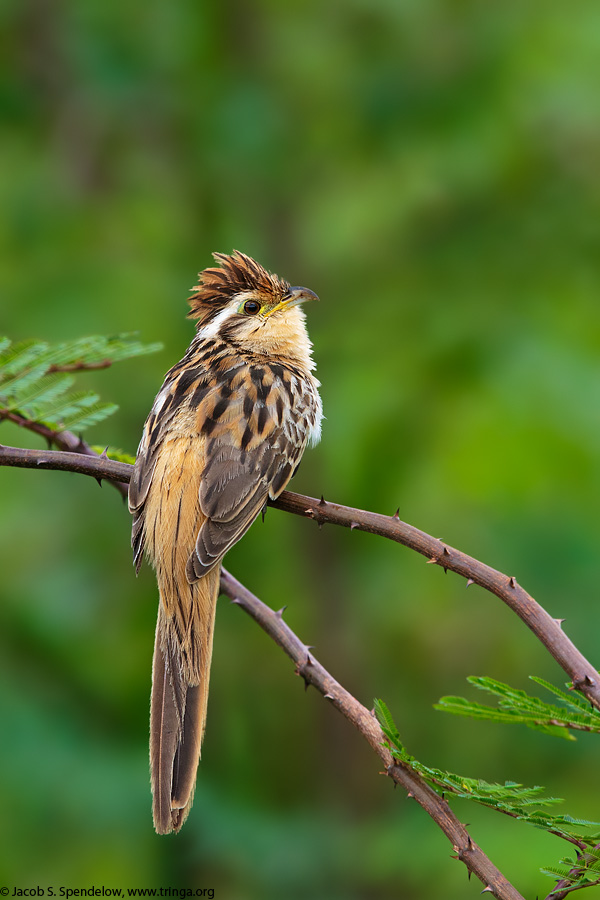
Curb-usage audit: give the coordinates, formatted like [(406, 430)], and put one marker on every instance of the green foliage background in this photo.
[(431, 170)]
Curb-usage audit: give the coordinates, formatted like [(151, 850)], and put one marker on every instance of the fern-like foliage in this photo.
[(574, 713), (525, 803), (37, 379)]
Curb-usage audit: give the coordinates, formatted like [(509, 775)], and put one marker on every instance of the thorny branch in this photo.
[(548, 630), (311, 670)]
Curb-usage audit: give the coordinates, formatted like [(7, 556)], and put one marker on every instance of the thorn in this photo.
[(512, 582), (409, 795), (397, 515), (589, 681), (328, 696), (99, 480), (235, 600), (322, 501), (559, 622), (433, 559), (104, 454), (41, 462), (309, 661), (470, 582), (354, 525), (469, 842), (263, 512), (309, 512), (280, 612), (488, 890), (298, 671), (469, 874), (446, 551)]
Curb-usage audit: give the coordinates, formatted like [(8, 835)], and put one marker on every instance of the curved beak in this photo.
[(299, 295), (294, 297)]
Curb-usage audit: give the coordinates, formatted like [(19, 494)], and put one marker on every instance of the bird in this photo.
[(225, 434)]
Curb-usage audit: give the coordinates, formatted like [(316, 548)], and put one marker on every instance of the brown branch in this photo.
[(70, 447), (548, 630), (583, 675), (308, 667)]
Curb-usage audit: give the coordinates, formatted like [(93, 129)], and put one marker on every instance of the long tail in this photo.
[(180, 678)]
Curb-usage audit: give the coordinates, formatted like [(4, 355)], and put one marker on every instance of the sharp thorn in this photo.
[(328, 696), (446, 551), (41, 462), (470, 582), (104, 454), (512, 582), (559, 622), (409, 795), (99, 480), (589, 681), (468, 874), (322, 501), (354, 525), (280, 612), (433, 559), (235, 600), (397, 515), (488, 890)]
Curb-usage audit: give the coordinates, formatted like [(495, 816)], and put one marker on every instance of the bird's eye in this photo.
[(251, 307)]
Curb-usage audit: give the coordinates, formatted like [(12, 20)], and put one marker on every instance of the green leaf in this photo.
[(88, 415), (36, 378), (518, 706)]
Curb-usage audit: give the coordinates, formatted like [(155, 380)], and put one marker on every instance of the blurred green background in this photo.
[(430, 169)]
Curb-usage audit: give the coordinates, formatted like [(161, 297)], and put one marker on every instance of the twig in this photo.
[(565, 886), (308, 667), (583, 675), (81, 366)]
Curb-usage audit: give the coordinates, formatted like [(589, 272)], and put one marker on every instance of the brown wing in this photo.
[(256, 433)]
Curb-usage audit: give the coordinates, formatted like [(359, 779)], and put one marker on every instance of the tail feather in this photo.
[(180, 681)]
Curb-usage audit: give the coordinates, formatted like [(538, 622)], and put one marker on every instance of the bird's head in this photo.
[(240, 302)]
